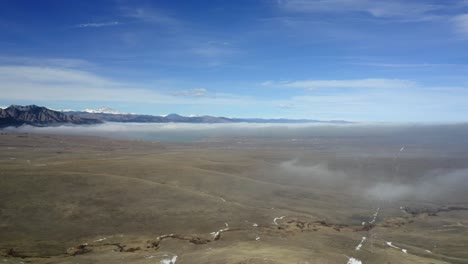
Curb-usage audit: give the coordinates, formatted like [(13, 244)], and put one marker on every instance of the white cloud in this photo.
[(41, 84), (267, 83), (381, 9), (96, 25), (213, 49), (191, 92), (208, 51), (408, 65), (373, 100), (461, 25), (47, 62), (150, 15), (50, 75), (354, 83), (285, 106)]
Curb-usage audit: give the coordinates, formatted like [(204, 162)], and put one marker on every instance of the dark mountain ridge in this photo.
[(34, 115)]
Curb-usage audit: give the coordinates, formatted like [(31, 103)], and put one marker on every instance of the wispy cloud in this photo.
[(42, 84), (285, 106), (355, 83), (42, 61), (354, 99), (51, 75), (150, 15), (407, 65), (208, 51), (379, 9), (97, 25), (213, 49), (461, 25), (267, 83), (196, 92)]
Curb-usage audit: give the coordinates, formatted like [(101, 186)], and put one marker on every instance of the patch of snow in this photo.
[(216, 234), (353, 261), (278, 218), (101, 239), (428, 251), (374, 216), (257, 238), (404, 251), (164, 236), (255, 225), (360, 244), (402, 148), (222, 199), (458, 224), (103, 110), (391, 245), (168, 260)]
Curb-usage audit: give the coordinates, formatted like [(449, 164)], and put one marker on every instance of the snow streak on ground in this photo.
[(360, 244), (168, 260), (402, 249), (353, 261), (216, 234), (375, 216), (278, 218)]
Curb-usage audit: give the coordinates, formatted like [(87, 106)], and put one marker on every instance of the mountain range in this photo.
[(111, 115), (17, 115)]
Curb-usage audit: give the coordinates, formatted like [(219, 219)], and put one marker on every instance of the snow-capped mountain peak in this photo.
[(103, 110)]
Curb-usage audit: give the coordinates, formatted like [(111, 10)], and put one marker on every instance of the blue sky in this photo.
[(362, 60)]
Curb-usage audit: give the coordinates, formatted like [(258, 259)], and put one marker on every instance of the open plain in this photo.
[(330, 199)]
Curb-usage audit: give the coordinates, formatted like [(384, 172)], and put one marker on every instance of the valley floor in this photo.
[(73, 199)]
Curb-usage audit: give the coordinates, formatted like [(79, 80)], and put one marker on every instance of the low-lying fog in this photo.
[(391, 185), (381, 162), (183, 132)]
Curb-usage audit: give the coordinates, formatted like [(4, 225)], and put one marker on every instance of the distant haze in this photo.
[(375, 161), (174, 132)]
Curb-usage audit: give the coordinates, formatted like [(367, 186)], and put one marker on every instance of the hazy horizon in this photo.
[(358, 60)]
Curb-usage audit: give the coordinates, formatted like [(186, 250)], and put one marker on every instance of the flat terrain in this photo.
[(73, 199)]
